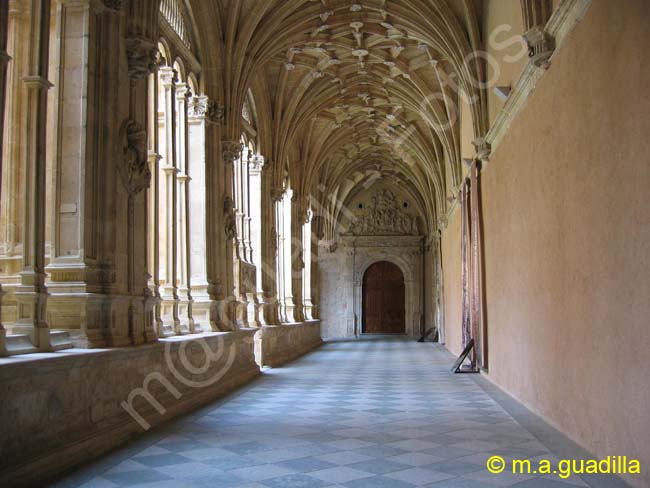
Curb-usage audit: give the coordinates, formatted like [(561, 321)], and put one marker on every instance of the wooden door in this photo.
[(383, 300)]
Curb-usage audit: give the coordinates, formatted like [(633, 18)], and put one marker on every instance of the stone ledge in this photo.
[(279, 344), (65, 409)]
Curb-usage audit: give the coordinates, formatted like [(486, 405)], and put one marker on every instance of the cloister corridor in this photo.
[(359, 414)]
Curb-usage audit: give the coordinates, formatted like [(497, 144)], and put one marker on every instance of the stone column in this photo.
[(230, 153), (78, 298), (255, 170), (4, 61), (298, 218), (317, 234), (541, 44), (239, 246), (269, 251), (133, 169), (214, 202), (152, 201), (197, 127), (11, 204), (31, 294), (182, 220), (168, 205)]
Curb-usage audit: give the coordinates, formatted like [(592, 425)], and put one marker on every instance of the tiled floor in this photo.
[(359, 414)]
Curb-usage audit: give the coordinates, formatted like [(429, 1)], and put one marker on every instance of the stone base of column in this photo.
[(116, 329), (3, 347), (222, 315), (80, 313), (270, 309), (170, 313), (308, 308), (241, 312), (185, 313), (31, 302), (201, 314)]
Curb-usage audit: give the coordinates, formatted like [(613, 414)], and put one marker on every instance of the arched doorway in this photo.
[(383, 299)]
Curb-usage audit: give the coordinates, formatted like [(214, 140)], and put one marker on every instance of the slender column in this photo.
[(239, 258), (134, 174), (297, 264), (255, 168), (31, 295), (317, 234), (153, 194), (230, 152), (307, 246), (281, 258), (168, 205), (4, 61), (197, 126), (182, 221), (214, 224), (269, 259)]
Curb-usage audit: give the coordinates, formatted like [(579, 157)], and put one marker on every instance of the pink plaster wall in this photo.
[(567, 241)]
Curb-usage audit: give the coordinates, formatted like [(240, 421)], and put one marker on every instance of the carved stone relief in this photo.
[(133, 167), (385, 218)]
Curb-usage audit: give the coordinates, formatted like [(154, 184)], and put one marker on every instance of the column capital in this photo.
[(142, 55), (231, 150), (277, 193), (256, 163), (38, 82)]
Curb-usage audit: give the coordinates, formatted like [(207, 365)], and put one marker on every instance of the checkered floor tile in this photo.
[(373, 413)]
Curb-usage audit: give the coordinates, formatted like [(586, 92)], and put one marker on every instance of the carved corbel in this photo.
[(231, 151), (133, 168), (541, 46), (214, 112), (277, 193), (483, 149), (142, 55)]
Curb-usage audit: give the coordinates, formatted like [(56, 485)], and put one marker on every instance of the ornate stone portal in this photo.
[(385, 233)]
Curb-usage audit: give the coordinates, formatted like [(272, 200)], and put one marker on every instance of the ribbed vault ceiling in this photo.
[(349, 90)]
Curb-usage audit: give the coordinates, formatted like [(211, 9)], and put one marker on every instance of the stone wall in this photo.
[(60, 410), (279, 344), (566, 234)]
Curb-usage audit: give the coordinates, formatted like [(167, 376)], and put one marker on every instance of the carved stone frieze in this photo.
[(132, 166), (385, 218)]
